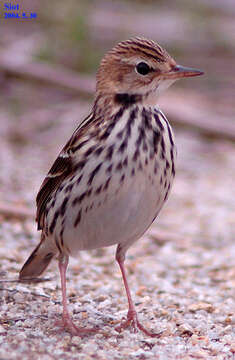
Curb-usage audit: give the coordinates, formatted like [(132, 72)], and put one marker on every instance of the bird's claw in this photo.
[(77, 331), (133, 323)]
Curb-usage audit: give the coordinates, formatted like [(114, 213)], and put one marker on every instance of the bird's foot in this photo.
[(133, 323), (69, 326)]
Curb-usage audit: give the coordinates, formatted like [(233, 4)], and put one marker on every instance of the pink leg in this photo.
[(67, 321), (132, 319)]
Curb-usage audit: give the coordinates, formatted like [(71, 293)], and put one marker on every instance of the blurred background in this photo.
[(48, 63), (47, 77)]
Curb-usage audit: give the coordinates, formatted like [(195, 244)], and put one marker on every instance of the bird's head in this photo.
[(139, 67)]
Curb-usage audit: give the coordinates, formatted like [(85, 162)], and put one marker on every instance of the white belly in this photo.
[(120, 215)]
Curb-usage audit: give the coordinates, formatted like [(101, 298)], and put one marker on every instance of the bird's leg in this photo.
[(67, 321), (132, 319)]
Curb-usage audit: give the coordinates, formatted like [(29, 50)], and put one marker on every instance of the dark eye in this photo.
[(142, 68)]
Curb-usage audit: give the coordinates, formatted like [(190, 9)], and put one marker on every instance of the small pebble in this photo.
[(201, 306)]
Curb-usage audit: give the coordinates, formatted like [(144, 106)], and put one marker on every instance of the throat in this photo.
[(126, 99)]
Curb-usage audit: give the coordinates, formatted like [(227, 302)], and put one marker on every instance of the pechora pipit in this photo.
[(113, 176)]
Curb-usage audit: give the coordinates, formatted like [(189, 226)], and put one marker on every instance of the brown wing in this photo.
[(61, 169)]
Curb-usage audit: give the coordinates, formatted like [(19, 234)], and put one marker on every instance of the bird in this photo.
[(115, 173)]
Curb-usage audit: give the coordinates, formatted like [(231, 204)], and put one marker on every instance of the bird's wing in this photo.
[(63, 167)]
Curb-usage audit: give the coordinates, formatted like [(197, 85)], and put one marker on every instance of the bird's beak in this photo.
[(181, 71)]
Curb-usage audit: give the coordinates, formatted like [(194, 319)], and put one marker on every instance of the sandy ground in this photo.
[(183, 282)]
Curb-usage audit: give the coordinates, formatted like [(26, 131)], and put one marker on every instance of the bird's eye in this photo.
[(142, 68)]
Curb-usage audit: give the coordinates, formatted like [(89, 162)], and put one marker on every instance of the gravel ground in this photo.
[(183, 283)]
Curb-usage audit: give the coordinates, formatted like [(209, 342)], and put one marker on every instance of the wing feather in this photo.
[(61, 169)]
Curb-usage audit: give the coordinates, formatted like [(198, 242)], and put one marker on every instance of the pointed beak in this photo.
[(181, 71)]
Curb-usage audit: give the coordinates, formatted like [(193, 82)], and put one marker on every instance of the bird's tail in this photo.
[(38, 260)]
